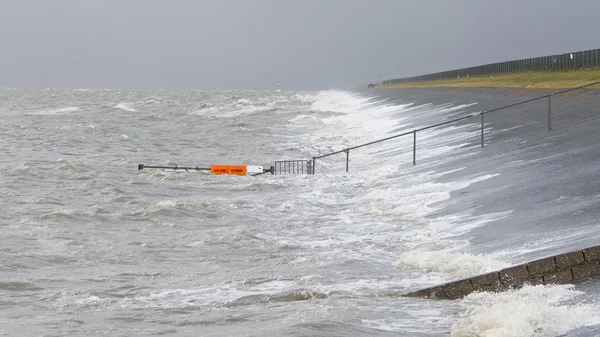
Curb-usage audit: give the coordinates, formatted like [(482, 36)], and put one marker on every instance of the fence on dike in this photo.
[(415, 131), (567, 61)]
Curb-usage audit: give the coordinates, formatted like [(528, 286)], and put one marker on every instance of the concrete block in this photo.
[(431, 293), (458, 289), (586, 271), (485, 279), (514, 275), (542, 266), (535, 281), (560, 277), (592, 253), (568, 260), (491, 288), (562, 269)]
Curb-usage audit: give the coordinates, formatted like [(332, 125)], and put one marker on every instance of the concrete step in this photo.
[(565, 268)]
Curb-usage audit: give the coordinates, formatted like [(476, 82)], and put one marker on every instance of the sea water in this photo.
[(93, 247)]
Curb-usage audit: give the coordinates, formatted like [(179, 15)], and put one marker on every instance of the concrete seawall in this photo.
[(566, 268)]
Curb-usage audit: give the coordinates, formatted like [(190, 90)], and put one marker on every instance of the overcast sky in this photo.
[(251, 44)]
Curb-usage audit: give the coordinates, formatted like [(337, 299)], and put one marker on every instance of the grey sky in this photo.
[(251, 44)]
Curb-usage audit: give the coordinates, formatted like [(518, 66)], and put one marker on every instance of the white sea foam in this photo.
[(530, 311), (305, 97), (223, 294), (348, 119), (124, 107), (163, 205), (166, 205), (454, 265), (338, 101), (57, 213), (365, 120), (241, 103), (59, 111), (233, 105), (304, 118)]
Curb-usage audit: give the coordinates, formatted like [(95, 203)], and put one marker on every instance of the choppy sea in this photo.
[(92, 246)]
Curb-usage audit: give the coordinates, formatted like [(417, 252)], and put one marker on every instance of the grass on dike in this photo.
[(532, 79)]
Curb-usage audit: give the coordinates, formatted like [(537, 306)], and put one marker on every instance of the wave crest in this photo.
[(124, 107), (455, 265), (531, 310)]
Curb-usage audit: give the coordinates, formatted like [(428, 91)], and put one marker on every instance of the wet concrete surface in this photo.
[(549, 181)]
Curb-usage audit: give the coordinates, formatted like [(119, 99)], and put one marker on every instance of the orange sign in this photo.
[(219, 169), (228, 169), (238, 170)]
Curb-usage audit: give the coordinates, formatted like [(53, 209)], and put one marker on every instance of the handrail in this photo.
[(482, 113), (448, 122)]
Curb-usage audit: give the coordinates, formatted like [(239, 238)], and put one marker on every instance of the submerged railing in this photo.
[(414, 132), (293, 167)]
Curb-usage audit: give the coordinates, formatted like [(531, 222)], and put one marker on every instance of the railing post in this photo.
[(549, 111), (415, 147), (313, 165), (482, 113), (347, 158)]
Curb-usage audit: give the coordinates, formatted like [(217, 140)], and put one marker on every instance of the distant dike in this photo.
[(567, 70), (565, 268)]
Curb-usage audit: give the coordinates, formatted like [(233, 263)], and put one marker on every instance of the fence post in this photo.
[(415, 147), (313, 165), (347, 158), (483, 112), (549, 111)]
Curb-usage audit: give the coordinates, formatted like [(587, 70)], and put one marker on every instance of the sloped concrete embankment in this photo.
[(566, 268)]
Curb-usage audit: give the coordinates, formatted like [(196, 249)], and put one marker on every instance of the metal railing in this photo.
[(293, 167), (566, 61), (414, 132)]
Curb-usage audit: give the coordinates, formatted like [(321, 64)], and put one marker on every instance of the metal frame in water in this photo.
[(293, 167)]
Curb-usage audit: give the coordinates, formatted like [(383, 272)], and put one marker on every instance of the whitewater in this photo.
[(93, 247)]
